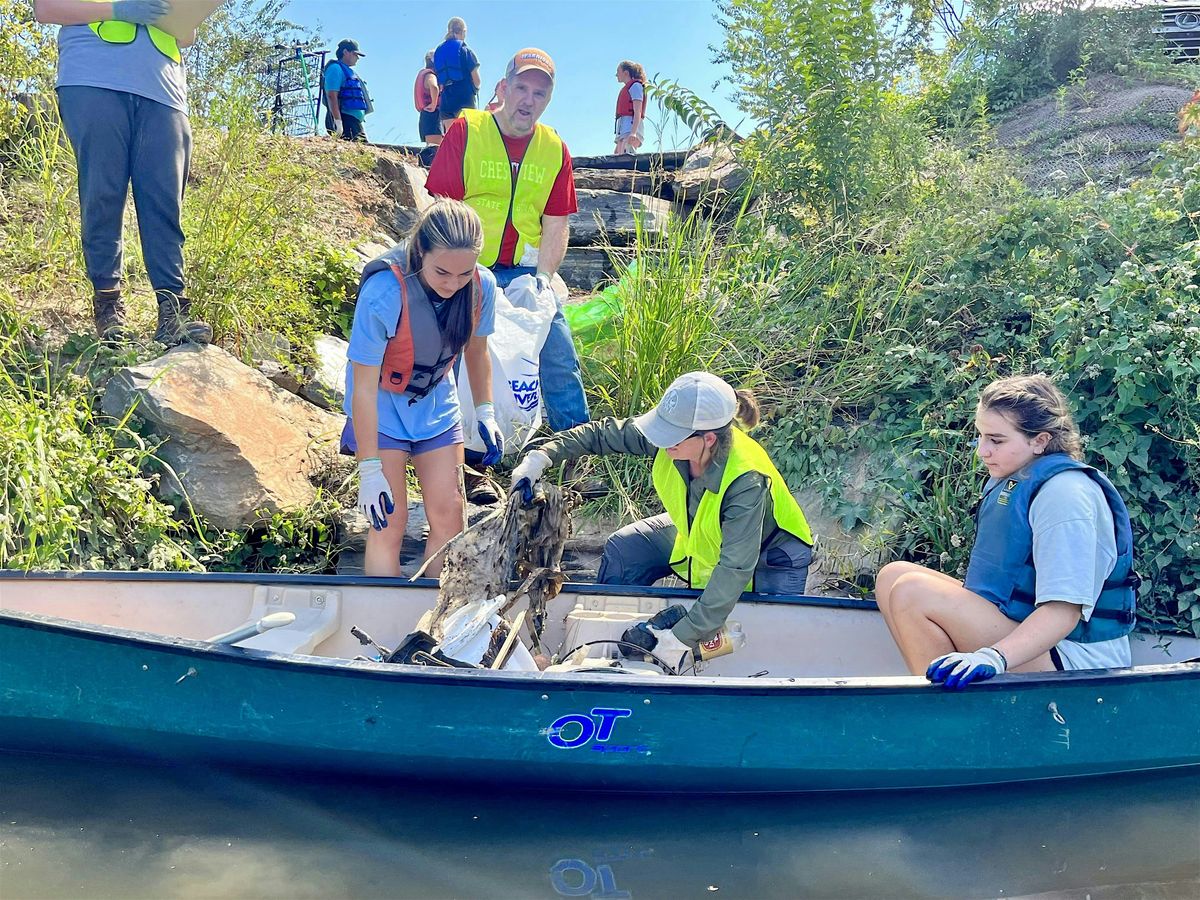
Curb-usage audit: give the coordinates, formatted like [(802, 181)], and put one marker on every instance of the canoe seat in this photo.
[(317, 610)]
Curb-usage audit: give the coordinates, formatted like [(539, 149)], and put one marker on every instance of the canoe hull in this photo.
[(70, 689)]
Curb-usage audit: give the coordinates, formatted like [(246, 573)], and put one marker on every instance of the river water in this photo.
[(76, 828)]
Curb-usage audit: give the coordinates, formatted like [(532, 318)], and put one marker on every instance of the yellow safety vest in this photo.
[(698, 549), (113, 31), (487, 177)]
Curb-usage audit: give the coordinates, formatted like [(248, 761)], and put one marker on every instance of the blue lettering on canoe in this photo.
[(575, 729)]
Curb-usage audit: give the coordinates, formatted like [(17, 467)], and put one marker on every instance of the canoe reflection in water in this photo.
[(109, 830)]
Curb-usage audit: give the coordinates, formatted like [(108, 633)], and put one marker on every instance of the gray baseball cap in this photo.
[(697, 401)]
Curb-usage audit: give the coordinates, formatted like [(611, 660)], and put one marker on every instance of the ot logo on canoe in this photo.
[(574, 730)]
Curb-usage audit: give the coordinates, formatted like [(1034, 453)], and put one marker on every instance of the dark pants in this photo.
[(353, 129), (121, 139), (640, 553)]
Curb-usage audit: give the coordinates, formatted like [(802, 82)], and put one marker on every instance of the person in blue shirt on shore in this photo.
[(346, 93), (419, 306), (1050, 584)]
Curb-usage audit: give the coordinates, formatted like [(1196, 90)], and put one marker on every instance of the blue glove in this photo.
[(956, 670), (140, 12), (493, 440), (374, 493)]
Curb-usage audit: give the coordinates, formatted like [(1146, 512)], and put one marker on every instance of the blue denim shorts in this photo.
[(412, 448)]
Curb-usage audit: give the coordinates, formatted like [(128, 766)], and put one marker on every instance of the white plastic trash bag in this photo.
[(523, 317)]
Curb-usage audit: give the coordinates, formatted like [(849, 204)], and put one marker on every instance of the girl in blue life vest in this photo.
[(419, 306), (1050, 584)]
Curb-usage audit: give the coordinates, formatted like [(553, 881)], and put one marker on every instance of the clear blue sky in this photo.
[(586, 40)]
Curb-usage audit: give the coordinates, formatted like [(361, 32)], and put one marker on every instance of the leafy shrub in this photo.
[(1096, 290), (1010, 54)]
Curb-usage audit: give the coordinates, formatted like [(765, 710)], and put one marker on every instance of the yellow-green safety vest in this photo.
[(698, 549), (114, 31), (487, 177)]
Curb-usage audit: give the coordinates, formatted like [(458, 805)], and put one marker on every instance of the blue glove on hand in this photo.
[(956, 670), (493, 440), (140, 12), (374, 493)]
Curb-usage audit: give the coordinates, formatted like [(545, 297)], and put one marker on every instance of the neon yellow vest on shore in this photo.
[(698, 550), (113, 31), (487, 177)]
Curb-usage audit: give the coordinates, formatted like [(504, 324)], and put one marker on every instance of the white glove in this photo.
[(489, 432), (528, 473), (670, 649), (374, 493), (543, 281), (957, 670), (337, 127)]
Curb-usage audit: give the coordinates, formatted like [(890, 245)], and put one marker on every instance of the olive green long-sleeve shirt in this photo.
[(746, 515)]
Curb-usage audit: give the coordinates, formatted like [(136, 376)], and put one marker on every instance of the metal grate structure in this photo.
[(294, 82)]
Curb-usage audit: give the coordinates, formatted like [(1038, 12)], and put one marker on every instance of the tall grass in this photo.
[(74, 489)]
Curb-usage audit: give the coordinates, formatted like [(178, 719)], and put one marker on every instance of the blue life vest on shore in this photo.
[(447, 62), (352, 95), (1001, 566)]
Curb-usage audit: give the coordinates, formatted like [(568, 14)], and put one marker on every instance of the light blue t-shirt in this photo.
[(1074, 552), (335, 77), (85, 60), (375, 318)]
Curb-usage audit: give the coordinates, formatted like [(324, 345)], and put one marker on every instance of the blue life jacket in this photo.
[(1001, 566), (351, 95), (447, 62)]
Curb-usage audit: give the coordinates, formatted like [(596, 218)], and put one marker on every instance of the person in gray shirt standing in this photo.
[(122, 95)]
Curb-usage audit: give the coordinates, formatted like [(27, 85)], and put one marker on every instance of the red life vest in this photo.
[(625, 100), (417, 356), (421, 97)]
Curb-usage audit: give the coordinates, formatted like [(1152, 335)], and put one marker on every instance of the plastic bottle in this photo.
[(729, 638)]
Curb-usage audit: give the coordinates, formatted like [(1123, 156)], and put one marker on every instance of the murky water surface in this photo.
[(73, 828)]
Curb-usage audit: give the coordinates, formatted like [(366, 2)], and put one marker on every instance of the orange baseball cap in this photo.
[(530, 58)]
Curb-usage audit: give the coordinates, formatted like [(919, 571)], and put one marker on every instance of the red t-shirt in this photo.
[(446, 180)]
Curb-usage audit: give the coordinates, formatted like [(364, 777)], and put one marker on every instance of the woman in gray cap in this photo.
[(730, 525)]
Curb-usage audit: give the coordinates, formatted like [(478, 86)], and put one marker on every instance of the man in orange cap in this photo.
[(516, 174)]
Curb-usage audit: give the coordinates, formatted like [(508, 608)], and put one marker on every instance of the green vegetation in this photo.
[(79, 488), (881, 265), (894, 266)]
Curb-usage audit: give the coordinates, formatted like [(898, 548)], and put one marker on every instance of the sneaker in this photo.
[(481, 489)]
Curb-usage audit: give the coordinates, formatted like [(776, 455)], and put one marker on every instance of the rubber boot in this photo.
[(108, 310), (174, 326)]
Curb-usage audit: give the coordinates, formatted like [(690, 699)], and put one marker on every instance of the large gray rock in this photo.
[(584, 268), (364, 252), (609, 216), (710, 172), (325, 382), (625, 181), (237, 443), (406, 186)]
